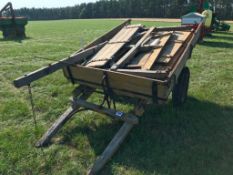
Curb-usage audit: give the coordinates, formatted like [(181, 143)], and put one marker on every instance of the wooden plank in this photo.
[(111, 148), (141, 58), (154, 41), (121, 83), (62, 120), (181, 35), (125, 34), (116, 80), (107, 36), (179, 28), (118, 115), (155, 74), (40, 73), (126, 82), (156, 52), (197, 34), (132, 52), (115, 44), (105, 55), (163, 92), (164, 59), (117, 92), (130, 84), (172, 48), (186, 53)]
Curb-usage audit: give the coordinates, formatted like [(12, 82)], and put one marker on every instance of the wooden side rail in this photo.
[(33, 76)]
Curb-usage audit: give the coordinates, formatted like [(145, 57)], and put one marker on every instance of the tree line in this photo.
[(126, 9)]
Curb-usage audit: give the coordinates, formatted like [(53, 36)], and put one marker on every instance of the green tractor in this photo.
[(11, 26), (216, 24)]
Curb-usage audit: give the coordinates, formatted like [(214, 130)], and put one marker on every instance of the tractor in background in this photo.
[(10, 25), (205, 10), (216, 24)]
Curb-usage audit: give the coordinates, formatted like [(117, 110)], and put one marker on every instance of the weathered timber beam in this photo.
[(60, 122), (179, 28), (146, 48), (109, 112), (145, 73), (55, 127), (33, 76), (157, 52), (197, 35), (111, 148), (186, 53), (132, 52)]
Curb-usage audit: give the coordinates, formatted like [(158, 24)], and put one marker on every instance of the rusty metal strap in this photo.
[(70, 75), (108, 92)]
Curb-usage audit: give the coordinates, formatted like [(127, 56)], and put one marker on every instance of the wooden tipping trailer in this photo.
[(132, 61)]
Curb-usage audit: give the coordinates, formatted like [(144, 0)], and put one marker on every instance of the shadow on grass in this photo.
[(223, 37), (211, 42), (229, 33), (18, 39), (195, 139), (217, 44)]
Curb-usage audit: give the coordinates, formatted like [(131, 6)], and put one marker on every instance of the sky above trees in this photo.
[(43, 3)]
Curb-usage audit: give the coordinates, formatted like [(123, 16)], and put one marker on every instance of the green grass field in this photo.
[(196, 139)]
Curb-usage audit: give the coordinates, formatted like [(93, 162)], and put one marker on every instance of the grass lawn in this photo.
[(196, 139)]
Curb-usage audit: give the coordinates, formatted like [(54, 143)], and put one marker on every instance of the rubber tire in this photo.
[(9, 33), (180, 90), (21, 32), (5, 33)]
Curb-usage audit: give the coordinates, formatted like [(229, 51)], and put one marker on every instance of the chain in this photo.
[(32, 105)]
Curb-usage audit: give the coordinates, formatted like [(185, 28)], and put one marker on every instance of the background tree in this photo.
[(126, 9)]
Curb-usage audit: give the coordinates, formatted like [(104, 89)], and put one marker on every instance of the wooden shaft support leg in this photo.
[(56, 127), (59, 123), (111, 148)]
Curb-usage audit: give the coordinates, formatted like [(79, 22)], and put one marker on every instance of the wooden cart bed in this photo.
[(137, 61)]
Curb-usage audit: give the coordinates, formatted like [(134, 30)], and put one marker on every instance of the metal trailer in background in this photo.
[(132, 62), (10, 25)]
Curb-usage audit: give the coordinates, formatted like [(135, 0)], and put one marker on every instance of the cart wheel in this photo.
[(180, 90)]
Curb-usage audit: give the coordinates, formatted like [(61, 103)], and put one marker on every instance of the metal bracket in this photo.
[(70, 75), (108, 93)]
